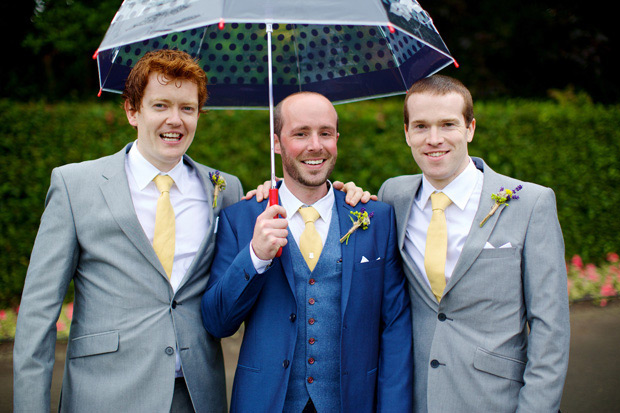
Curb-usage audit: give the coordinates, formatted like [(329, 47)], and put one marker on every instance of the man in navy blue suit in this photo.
[(327, 323)]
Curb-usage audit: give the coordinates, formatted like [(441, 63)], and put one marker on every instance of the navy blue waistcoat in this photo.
[(315, 371)]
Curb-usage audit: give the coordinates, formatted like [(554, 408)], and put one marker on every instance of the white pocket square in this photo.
[(507, 245), (488, 246), (364, 259)]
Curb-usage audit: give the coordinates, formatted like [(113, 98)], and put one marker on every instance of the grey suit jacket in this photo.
[(127, 321), (472, 351)]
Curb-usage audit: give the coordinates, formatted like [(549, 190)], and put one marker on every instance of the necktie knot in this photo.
[(308, 214), (439, 200), (163, 183)]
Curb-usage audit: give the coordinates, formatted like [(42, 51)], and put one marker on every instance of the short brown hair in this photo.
[(442, 85), (173, 64)]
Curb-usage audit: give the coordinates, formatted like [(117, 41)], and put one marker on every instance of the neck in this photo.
[(306, 194)]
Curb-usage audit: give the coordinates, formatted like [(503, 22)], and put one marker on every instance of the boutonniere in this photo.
[(220, 184), (363, 221), (501, 198)]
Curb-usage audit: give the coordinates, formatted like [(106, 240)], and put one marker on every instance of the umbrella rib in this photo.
[(387, 41), (297, 57)]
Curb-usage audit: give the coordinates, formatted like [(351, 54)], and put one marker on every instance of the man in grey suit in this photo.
[(137, 343), (490, 318)]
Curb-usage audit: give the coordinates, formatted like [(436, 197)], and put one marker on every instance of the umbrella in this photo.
[(346, 50)]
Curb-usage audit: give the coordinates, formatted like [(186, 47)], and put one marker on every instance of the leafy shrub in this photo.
[(571, 147)]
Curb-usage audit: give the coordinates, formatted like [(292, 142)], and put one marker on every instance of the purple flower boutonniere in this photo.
[(363, 221), (219, 183), (501, 198)]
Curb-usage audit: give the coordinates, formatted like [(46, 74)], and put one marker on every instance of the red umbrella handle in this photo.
[(273, 200)]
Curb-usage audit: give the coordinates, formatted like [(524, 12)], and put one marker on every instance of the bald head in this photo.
[(277, 112)]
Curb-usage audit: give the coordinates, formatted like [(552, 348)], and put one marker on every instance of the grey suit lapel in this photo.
[(478, 236), (115, 190), (403, 204)]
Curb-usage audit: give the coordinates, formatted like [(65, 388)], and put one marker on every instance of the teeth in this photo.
[(171, 136), (314, 162), (436, 154)]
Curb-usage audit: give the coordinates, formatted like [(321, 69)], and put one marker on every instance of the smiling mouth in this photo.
[(314, 162), (436, 154), (171, 137)]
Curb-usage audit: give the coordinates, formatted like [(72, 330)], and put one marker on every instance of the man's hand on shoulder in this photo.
[(355, 194)]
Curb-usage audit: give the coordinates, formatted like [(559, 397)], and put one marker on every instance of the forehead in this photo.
[(310, 111), (160, 87), (429, 106)]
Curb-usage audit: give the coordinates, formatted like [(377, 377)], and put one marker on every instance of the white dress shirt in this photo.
[(464, 192), (296, 224), (192, 210)]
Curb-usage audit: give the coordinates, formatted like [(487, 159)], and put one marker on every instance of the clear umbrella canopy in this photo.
[(345, 49)]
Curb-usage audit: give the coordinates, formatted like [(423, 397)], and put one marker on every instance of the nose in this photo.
[(434, 137), (314, 143), (174, 117)]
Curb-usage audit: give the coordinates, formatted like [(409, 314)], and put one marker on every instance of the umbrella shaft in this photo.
[(269, 29)]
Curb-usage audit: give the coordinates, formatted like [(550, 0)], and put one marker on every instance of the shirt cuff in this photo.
[(259, 265)]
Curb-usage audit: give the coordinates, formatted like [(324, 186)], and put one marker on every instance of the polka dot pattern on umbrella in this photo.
[(302, 54)]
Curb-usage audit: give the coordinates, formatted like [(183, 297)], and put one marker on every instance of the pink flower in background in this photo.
[(591, 272), (613, 257), (69, 311), (569, 285), (603, 302), (608, 290), (577, 261), (2, 315), (60, 326)]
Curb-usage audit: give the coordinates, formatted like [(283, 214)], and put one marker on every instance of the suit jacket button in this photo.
[(311, 301), (247, 276), (310, 360), (285, 364), (174, 304), (311, 341), (311, 321), (169, 351), (310, 380), (434, 364), (311, 281), (441, 317), (292, 317)]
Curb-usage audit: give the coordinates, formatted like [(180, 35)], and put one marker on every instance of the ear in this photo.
[(407, 135), (470, 130), (276, 144), (131, 114)]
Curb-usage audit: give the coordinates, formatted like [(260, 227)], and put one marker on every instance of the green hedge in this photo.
[(570, 147)]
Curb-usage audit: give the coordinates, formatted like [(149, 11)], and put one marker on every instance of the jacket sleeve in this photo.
[(52, 266), (546, 300), (233, 285), (395, 381)]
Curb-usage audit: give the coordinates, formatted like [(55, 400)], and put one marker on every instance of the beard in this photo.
[(306, 178)]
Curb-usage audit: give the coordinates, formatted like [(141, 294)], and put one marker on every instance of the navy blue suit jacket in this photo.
[(376, 347)]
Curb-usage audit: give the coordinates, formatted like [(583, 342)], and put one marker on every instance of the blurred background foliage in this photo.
[(571, 146), (546, 100)]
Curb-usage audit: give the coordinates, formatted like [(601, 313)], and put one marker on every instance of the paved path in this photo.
[(591, 386)]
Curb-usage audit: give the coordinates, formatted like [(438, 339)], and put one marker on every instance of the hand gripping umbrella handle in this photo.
[(273, 200)]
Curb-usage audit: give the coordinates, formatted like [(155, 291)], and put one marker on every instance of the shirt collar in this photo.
[(459, 190), (292, 204), (144, 172)]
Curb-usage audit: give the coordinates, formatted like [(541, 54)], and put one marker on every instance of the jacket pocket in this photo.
[(92, 344), (499, 365), (490, 253)]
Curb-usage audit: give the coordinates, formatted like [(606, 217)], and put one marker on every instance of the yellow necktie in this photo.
[(310, 243), (437, 245), (163, 239)]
